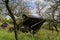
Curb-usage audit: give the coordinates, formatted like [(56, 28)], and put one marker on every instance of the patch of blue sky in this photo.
[(31, 4)]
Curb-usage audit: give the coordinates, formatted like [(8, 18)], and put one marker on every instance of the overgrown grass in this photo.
[(6, 36), (41, 35)]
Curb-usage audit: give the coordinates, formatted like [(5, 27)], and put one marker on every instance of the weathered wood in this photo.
[(4, 25), (33, 24)]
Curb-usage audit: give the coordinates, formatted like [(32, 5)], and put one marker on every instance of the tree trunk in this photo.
[(13, 18)]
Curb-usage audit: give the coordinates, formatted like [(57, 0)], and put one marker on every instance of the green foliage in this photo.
[(5, 19), (10, 21)]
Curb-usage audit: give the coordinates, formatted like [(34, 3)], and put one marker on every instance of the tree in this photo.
[(13, 18), (39, 8), (52, 10)]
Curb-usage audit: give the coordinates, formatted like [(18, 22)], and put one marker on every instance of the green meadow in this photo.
[(43, 34)]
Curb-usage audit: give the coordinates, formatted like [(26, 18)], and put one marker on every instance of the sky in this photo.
[(32, 5)]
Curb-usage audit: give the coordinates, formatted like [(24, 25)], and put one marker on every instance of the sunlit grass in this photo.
[(41, 35)]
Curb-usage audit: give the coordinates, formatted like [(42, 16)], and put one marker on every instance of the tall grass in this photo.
[(41, 35)]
